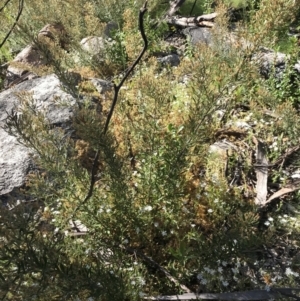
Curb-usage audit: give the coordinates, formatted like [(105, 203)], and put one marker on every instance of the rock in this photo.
[(53, 33), (15, 159), (102, 86), (271, 62), (111, 26), (93, 45), (239, 124), (198, 35), (171, 59), (14, 163), (29, 57)]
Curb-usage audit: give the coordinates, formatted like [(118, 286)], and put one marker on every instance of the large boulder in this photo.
[(31, 57), (270, 62), (15, 159), (49, 97)]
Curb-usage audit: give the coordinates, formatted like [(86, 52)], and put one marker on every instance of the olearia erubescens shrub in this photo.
[(162, 199)]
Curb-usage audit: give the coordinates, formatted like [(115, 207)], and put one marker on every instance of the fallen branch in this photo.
[(261, 173), (203, 20), (254, 295), (285, 190), (156, 265)]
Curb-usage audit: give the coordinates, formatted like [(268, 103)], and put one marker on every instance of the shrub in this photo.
[(162, 200)]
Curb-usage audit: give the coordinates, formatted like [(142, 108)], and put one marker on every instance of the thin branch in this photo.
[(6, 3), (116, 89), (162, 269), (21, 5)]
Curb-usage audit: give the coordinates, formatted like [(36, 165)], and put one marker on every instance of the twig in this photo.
[(21, 5), (154, 263), (116, 90), (6, 3)]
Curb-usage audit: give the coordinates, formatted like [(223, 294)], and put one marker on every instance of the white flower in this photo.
[(224, 263), (147, 208), (216, 201), (133, 282), (156, 224), (220, 269), (56, 230), (125, 241), (288, 272), (163, 233), (203, 281), (234, 270), (199, 276), (283, 221), (271, 219), (225, 283), (210, 211), (66, 233), (142, 281), (267, 223)]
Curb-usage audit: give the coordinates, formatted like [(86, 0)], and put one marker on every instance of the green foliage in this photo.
[(162, 199)]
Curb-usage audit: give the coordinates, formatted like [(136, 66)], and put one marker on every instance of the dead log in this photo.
[(203, 20), (261, 169)]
